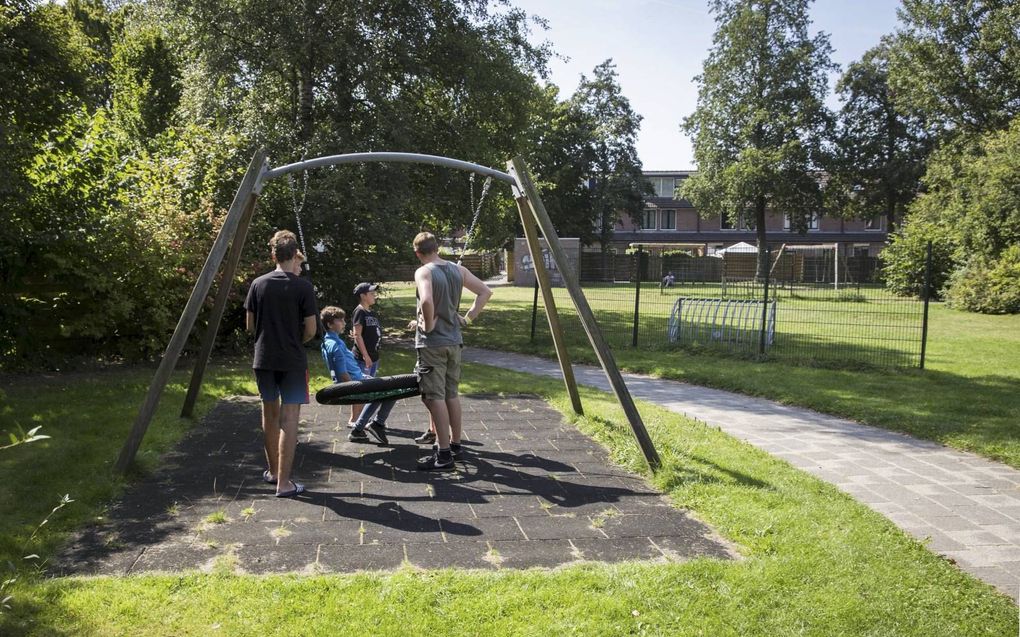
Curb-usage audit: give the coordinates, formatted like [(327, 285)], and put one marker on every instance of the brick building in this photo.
[(671, 223)]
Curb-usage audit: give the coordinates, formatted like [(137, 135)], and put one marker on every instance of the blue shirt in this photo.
[(339, 359)]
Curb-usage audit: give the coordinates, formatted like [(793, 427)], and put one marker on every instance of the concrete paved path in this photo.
[(968, 508), (530, 490)]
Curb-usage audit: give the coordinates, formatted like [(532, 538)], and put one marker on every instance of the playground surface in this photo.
[(530, 490)]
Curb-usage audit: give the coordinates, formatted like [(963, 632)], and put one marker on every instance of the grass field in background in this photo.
[(967, 397), (814, 561), (852, 326)]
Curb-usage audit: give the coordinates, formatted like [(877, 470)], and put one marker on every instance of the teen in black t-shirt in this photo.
[(281, 313), (366, 327)]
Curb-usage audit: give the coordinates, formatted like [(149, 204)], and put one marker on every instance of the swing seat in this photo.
[(369, 390)]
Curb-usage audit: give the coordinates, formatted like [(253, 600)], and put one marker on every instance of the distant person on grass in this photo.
[(343, 368), (281, 311), (438, 343), (667, 281)]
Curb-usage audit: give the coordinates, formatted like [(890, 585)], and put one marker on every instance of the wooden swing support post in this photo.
[(241, 208)]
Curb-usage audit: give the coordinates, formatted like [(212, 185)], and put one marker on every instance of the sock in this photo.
[(445, 454)]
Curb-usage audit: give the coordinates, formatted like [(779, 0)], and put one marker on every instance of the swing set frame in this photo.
[(234, 232)]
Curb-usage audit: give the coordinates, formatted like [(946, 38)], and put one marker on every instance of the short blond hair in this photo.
[(426, 243)]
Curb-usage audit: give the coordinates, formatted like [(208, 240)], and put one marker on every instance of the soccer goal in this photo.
[(734, 323)]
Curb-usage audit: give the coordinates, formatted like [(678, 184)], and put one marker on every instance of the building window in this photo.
[(668, 220), (742, 222), (663, 186), (812, 222), (648, 219), (874, 223)]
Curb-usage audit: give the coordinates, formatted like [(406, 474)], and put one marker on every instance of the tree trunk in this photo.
[(306, 80), (890, 211), (890, 157)]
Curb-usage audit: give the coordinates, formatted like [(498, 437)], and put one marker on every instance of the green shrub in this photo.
[(903, 261), (988, 286), (970, 210)]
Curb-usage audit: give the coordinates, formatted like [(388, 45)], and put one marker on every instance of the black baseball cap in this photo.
[(365, 286)]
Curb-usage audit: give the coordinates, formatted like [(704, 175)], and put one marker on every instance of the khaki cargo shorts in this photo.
[(439, 372)]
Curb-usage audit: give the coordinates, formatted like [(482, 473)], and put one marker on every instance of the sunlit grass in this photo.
[(813, 560)]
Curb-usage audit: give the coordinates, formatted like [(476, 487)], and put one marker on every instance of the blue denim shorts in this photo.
[(369, 371), (291, 386)]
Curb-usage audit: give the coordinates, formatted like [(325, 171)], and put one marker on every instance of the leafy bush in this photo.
[(971, 213), (119, 235), (903, 261), (989, 287)]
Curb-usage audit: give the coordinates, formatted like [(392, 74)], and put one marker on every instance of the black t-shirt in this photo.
[(371, 331), (280, 302)]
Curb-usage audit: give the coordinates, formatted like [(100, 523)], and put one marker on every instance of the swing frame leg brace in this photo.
[(519, 170)]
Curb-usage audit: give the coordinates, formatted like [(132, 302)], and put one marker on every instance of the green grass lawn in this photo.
[(814, 561), (968, 397)]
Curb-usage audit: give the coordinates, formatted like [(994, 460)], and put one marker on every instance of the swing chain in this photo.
[(477, 210), (298, 207)]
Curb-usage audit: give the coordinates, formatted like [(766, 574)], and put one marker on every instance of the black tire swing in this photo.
[(369, 390)]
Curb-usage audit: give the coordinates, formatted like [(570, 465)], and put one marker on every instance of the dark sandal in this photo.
[(298, 488)]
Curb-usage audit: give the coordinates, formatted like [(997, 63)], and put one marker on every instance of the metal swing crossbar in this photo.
[(232, 237), (406, 158), (353, 158), (730, 321)]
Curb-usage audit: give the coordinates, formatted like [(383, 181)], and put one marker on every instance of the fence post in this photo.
[(637, 297), (765, 302), (835, 266), (927, 295), (534, 310)]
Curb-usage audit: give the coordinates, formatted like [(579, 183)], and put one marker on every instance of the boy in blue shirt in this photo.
[(342, 368)]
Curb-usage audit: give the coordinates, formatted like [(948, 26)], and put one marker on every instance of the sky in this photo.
[(659, 47)]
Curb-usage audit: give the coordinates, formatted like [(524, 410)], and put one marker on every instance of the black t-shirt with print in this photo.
[(371, 331)]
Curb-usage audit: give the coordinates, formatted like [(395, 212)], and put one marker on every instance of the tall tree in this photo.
[(583, 151), (444, 77), (145, 74), (879, 153), (760, 126), (957, 66), (613, 168), (44, 71), (956, 63)]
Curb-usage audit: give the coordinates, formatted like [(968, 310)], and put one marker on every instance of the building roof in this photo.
[(668, 173)]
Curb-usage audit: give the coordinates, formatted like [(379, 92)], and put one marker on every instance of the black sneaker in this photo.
[(378, 431), (358, 435), (426, 438), (434, 463), (455, 449)]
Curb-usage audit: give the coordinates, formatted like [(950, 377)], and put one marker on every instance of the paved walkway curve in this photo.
[(968, 506)]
